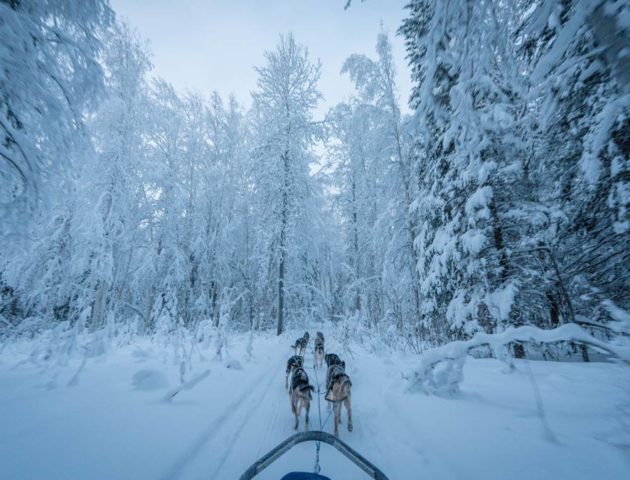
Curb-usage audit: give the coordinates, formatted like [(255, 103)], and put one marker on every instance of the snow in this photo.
[(500, 301), (142, 227), (619, 315), (104, 427), (597, 139), (147, 379), (478, 202), (473, 241)]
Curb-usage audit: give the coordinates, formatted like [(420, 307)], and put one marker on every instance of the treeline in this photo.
[(501, 200), (177, 210)]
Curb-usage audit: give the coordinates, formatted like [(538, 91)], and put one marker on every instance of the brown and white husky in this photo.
[(300, 395), (339, 390)]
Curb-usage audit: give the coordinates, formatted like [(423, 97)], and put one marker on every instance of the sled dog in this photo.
[(319, 352), (332, 359), (296, 361), (300, 344), (300, 396), (339, 390)]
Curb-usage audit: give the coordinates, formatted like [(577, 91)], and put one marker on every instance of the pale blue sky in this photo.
[(206, 45)]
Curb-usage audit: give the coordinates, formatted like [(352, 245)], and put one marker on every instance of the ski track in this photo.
[(274, 408), (218, 424), (431, 456), (258, 401)]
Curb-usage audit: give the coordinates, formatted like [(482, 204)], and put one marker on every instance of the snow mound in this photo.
[(140, 355), (147, 379), (234, 365)]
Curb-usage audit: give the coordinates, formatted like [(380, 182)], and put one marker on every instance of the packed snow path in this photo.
[(111, 420)]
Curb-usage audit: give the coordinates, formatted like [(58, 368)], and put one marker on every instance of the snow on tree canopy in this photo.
[(192, 232)]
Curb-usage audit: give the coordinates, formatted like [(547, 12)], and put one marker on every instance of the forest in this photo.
[(501, 201), (489, 213)]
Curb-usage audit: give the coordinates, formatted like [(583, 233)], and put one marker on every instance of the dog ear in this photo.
[(343, 364)]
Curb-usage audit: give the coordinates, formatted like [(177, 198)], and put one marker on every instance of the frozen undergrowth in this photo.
[(441, 369)]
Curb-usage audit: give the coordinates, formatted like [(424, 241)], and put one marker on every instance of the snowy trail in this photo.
[(112, 421), (243, 407)]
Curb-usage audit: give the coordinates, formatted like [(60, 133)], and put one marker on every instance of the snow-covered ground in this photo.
[(111, 421)]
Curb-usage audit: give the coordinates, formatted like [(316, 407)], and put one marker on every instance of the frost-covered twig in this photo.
[(186, 386)]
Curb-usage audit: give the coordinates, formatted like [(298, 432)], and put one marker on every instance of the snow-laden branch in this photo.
[(441, 369)]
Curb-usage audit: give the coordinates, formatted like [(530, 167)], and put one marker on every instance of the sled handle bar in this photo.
[(313, 436)]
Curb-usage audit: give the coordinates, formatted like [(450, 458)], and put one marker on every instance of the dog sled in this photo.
[(312, 436)]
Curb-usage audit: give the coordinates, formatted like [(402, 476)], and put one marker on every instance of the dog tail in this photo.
[(310, 388)]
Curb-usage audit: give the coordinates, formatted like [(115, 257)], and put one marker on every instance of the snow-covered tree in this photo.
[(288, 197), (50, 79)]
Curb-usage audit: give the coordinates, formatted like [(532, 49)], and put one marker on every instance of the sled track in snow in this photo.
[(255, 393), (223, 432), (257, 402)]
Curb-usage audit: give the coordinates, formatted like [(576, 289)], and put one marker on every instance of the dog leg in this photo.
[(336, 410), (293, 403), (346, 402), (307, 407)]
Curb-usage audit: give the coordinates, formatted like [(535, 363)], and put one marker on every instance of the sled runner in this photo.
[(313, 436)]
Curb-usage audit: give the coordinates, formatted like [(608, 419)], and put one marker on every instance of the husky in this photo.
[(300, 344), (339, 390), (332, 359), (319, 352), (300, 395), (296, 361), (333, 369)]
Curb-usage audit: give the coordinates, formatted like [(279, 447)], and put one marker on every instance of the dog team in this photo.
[(338, 384)]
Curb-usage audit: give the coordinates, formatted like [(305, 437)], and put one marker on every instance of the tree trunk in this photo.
[(283, 237), (149, 313), (98, 311), (497, 232), (281, 285), (519, 350), (355, 229)]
